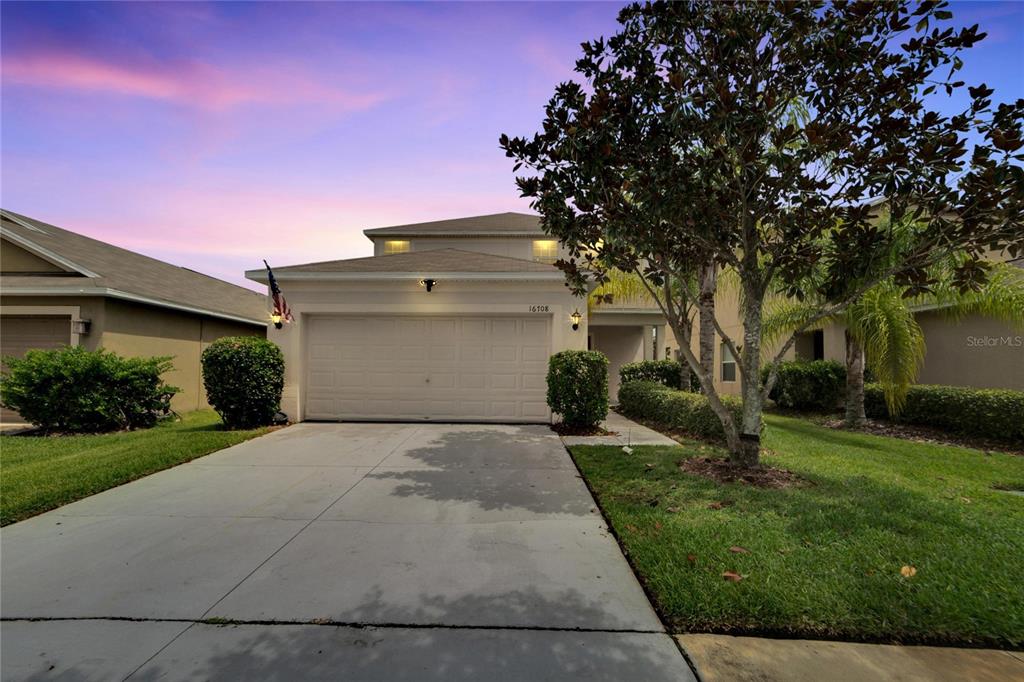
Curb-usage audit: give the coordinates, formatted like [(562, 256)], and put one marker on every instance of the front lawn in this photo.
[(826, 559), (39, 473)]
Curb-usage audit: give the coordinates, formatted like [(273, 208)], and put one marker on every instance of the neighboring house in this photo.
[(975, 351), (61, 288), (451, 320)]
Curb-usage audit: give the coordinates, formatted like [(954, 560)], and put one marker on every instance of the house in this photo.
[(455, 320), (58, 287), (452, 320)]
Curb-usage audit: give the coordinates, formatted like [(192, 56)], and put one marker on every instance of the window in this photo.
[(810, 345), (545, 250), (392, 246), (728, 364)]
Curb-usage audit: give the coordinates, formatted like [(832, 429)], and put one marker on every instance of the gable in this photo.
[(16, 260)]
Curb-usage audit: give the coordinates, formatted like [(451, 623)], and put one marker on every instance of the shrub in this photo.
[(988, 413), (74, 390), (810, 385), (578, 387), (689, 412), (664, 372), (244, 377)]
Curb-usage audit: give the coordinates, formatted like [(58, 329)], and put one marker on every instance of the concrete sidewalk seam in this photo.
[(219, 622)]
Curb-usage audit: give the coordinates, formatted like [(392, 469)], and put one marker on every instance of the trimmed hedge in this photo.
[(244, 378), (809, 385), (689, 412), (74, 390), (988, 413), (578, 387), (661, 371)]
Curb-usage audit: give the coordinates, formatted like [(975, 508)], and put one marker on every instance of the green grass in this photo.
[(825, 559), (40, 473)]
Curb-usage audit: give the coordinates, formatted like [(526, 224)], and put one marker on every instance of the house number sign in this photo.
[(540, 309)]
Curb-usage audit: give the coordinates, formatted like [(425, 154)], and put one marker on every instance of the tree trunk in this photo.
[(706, 302), (854, 383), (684, 367), (748, 450)]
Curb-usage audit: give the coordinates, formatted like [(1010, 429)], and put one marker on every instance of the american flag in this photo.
[(281, 310)]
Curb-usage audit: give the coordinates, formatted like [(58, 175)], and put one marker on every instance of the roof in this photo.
[(496, 224), (102, 269), (416, 264)]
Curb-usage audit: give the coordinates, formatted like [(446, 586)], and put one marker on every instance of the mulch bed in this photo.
[(923, 434), (722, 471), (563, 429)]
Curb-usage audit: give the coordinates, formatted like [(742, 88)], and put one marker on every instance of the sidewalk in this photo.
[(629, 433), (723, 658)]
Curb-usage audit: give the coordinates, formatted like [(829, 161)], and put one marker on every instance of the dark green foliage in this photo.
[(810, 385), (988, 413), (578, 386), (689, 412), (73, 390), (665, 372), (244, 377)]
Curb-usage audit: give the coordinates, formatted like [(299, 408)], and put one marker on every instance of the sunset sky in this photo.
[(214, 135)]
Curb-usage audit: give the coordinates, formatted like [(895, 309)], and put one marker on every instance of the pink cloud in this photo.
[(191, 83)]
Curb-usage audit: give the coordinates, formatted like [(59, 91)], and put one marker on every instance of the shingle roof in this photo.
[(126, 272), (435, 261), (494, 224)]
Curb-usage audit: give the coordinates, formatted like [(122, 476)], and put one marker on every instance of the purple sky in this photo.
[(214, 135)]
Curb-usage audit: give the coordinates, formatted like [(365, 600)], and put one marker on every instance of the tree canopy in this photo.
[(754, 135)]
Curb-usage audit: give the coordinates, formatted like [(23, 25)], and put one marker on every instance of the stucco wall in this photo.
[(13, 259), (137, 330), (975, 351), (622, 345), (408, 297), (514, 247)]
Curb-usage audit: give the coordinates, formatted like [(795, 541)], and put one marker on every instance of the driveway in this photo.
[(340, 551)]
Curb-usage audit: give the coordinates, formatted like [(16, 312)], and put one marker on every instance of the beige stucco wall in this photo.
[(89, 308), (622, 345), (137, 330), (14, 259), (408, 297), (976, 351), (514, 247), (134, 330)]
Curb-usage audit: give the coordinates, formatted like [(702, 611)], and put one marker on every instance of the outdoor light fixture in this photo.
[(428, 283), (575, 317), (276, 319), (81, 327)]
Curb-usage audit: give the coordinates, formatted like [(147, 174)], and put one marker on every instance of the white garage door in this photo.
[(421, 367)]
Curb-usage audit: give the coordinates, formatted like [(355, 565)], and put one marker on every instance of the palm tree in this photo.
[(882, 332)]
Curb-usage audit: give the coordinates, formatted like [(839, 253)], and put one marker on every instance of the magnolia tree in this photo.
[(683, 145)]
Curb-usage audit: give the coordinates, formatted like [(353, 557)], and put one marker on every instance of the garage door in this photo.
[(418, 367), (21, 333)]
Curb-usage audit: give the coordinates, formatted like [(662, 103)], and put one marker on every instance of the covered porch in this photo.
[(627, 335)]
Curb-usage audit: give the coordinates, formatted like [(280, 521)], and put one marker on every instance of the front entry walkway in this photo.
[(336, 551)]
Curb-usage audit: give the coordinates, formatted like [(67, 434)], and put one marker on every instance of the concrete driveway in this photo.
[(335, 551)]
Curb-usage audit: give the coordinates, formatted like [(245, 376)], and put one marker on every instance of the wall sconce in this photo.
[(276, 319), (575, 317), (428, 283), (81, 327)]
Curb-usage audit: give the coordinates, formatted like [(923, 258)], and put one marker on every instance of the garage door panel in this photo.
[(478, 367)]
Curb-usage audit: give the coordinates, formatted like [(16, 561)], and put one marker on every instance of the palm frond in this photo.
[(782, 316), (882, 323), (1000, 298)]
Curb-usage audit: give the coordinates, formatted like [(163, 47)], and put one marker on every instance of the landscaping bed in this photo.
[(39, 473), (882, 539)]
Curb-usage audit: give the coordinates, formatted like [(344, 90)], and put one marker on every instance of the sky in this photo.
[(216, 135)]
